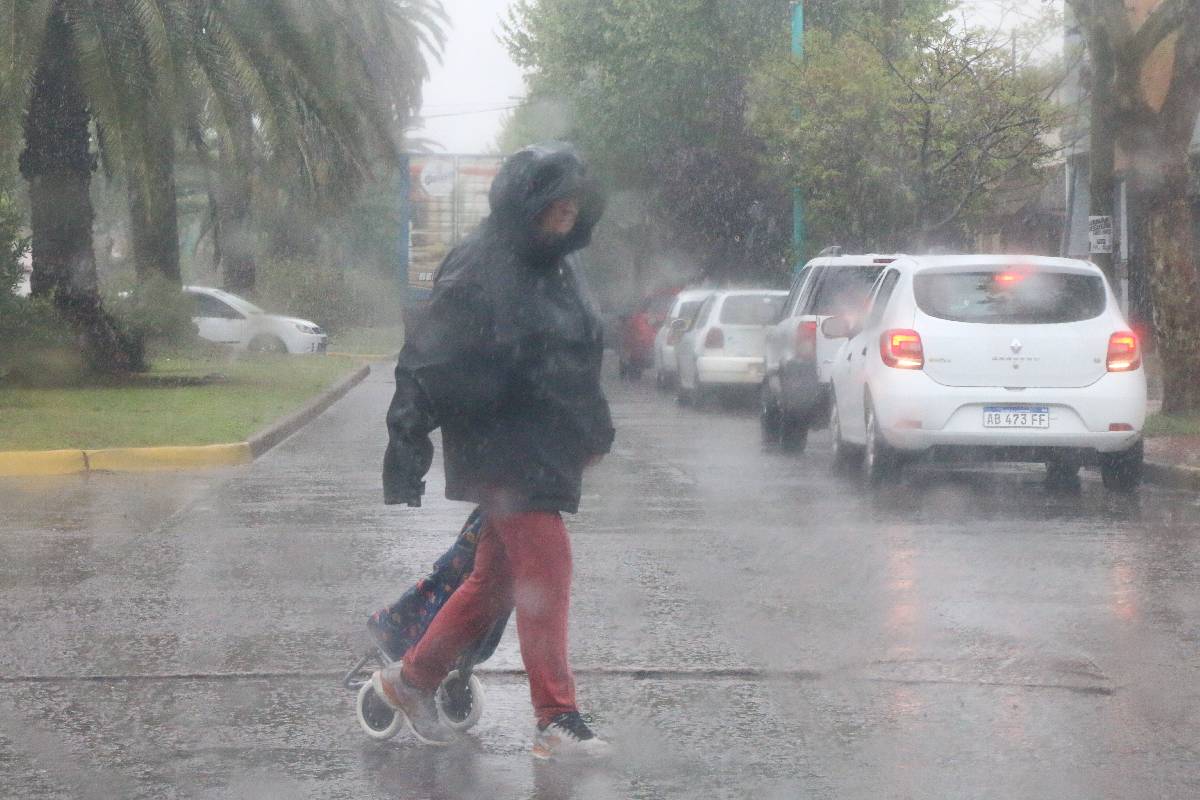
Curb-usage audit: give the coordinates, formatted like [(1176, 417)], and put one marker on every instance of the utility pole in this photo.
[(798, 228)]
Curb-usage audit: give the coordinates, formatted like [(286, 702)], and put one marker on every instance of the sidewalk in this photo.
[(1174, 461)]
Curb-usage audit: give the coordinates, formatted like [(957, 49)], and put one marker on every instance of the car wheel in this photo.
[(880, 460), (1062, 474), (843, 453), (793, 434), (1122, 472), (267, 344), (768, 415), (683, 395)]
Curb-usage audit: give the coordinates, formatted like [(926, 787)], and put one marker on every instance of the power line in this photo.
[(467, 113)]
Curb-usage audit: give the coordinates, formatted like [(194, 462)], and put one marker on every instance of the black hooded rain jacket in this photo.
[(507, 359)]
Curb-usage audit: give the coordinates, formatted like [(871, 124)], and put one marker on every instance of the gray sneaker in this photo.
[(417, 706), (568, 737)]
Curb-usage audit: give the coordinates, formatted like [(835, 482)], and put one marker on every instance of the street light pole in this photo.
[(798, 228)]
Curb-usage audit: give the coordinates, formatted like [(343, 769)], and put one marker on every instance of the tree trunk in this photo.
[(154, 221), (57, 163), (1174, 282)]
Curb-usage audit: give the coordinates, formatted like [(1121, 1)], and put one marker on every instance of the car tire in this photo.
[(793, 434), (267, 344), (1062, 474), (683, 395), (880, 460), (768, 415), (1122, 472), (843, 453)]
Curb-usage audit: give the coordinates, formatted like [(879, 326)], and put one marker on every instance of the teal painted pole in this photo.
[(798, 227)]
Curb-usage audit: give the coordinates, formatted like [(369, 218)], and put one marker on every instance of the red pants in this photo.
[(523, 560)]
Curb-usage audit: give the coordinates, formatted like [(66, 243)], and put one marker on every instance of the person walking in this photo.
[(506, 361)]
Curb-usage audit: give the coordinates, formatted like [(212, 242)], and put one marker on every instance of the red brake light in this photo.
[(715, 339), (1009, 278), (806, 340), (1124, 354), (902, 349)]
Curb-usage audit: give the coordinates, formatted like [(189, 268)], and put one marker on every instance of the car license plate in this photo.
[(1016, 417)]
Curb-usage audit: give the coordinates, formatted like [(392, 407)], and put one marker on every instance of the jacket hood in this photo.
[(530, 181)]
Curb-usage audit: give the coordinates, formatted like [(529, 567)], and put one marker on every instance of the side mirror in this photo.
[(837, 328), (680, 326)]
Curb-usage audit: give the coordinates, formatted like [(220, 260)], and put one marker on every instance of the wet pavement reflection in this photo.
[(746, 623)]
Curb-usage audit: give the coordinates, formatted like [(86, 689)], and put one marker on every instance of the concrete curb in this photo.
[(45, 463), (1173, 476), (275, 433)]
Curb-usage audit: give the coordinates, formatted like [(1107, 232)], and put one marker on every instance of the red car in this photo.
[(635, 345)]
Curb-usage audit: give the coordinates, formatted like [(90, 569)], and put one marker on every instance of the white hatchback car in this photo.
[(225, 318), (724, 345), (686, 304), (1001, 358)]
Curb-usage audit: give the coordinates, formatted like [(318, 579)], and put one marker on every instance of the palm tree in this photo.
[(317, 84)]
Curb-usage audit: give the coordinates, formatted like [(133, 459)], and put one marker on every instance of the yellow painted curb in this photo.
[(154, 459), (41, 462)]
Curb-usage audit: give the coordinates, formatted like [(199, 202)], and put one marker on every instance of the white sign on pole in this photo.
[(1100, 234)]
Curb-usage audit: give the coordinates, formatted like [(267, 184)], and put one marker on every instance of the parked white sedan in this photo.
[(225, 318), (1002, 358), (686, 304), (725, 342)]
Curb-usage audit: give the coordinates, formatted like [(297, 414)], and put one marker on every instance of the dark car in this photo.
[(637, 330)]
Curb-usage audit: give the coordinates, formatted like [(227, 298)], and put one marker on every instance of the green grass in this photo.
[(1171, 425), (383, 341), (155, 409)]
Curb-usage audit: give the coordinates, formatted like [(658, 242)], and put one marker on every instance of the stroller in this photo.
[(398, 627)]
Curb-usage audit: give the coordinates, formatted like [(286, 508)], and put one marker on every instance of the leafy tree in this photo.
[(900, 134), (1145, 86), (655, 93), (313, 83)]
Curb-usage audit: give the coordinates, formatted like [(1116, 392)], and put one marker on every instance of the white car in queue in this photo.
[(686, 304), (725, 343), (991, 358), (227, 319)]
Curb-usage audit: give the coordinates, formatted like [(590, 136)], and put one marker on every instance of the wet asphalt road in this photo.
[(745, 625)]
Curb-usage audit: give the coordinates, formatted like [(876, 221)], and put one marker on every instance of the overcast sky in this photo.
[(469, 90), (475, 80)]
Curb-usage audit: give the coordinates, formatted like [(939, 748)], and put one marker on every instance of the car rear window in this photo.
[(1010, 296), (751, 309), (660, 305), (688, 310), (844, 291)]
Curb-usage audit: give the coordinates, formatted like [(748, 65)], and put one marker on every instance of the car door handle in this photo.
[(864, 352)]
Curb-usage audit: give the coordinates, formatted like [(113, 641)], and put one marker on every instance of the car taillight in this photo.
[(902, 349), (715, 339), (806, 340), (1124, 355)]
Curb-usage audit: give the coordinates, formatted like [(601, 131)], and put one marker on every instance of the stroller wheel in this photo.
[(378, 720), (459, 702)]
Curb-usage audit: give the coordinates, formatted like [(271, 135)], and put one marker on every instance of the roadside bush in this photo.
[(12, 247), (334, 298), (36, 344), (155, 312)]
